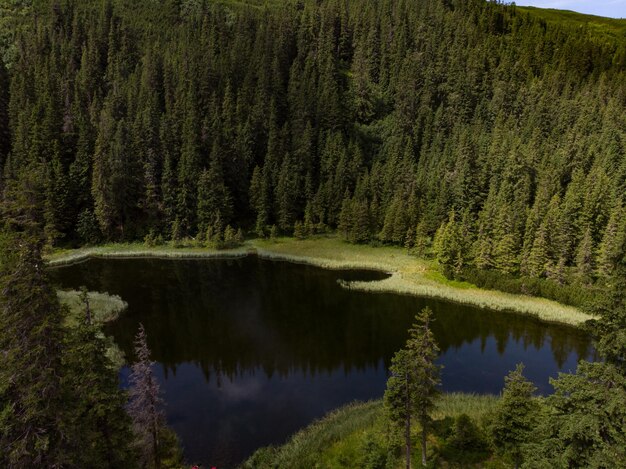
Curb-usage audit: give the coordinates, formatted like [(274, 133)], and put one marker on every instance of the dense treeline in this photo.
[(472, 124), (61, 405)]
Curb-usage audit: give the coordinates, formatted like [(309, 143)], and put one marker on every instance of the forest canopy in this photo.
[(495, 132)]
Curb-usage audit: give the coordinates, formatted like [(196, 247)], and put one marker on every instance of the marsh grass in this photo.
[(309, 447), (104, 307), (541, 308), (139, 250), (354, 435), (476, 406), (410, 275)]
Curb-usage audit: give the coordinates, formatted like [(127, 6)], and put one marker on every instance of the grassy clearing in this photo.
[(410, 275), (313, 446), (598, 26), (357, 435)]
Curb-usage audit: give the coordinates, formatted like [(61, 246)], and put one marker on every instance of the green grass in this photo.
[(104, 307), (313, 446), (62, 257), (352, 436), (476, 406), (600, 26), (410, 275)]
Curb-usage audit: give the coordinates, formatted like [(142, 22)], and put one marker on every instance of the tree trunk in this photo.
[(407, 428)]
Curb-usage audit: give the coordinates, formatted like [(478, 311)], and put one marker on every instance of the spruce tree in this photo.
[(585, 259), (214, 199), (33, 413), (612, 245), (156, 444), (412, 388), (583, 426), (100, 426), (516, 416)]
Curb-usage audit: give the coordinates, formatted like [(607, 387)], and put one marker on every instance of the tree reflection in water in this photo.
[(254, 349)]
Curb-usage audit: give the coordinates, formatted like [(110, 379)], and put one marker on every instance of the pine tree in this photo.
[(259, 201), (585, 259), (608, 329), (32, 407), (100, 426), (612, 245), (537, 264), (400, 396), (413, 385), (584, 426), (449, 245), (516, 416), (214, 199), (145, 406)]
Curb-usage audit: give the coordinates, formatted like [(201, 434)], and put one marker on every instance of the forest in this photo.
[(489, 136), (479, 131)]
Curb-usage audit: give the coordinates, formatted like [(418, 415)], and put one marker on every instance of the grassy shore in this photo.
[(62, 257), (409, 275), (355, 435), (104, 307)]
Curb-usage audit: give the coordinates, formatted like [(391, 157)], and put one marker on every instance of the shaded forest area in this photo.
[(473, 129)]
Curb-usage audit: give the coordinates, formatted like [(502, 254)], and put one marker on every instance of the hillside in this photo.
[(491, 136), (456, 143), (596, 25)]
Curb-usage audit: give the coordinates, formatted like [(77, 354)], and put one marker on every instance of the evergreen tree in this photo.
[(611, 247), (336, 99), (32, 407), (585, 260), (583, 426), (156, 444), (214, 199), (100, 426), (609, 327), (516, 416), (413, 385)]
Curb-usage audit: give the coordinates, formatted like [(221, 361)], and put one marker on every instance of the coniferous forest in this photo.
[(479, 129), (484, 134)]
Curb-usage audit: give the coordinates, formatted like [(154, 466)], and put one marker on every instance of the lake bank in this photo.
[(240, 342), (409, 275), (357, 434)]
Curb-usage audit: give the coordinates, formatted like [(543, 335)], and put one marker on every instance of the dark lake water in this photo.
[(248, 351)]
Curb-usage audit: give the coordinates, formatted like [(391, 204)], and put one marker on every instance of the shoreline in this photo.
[(409, 275)]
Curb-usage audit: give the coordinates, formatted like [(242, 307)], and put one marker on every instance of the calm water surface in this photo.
[(249, 351)]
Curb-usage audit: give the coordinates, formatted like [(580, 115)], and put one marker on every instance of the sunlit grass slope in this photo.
[(351, 437), (598, 25)]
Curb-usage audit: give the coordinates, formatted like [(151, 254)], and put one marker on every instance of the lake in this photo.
[(249, 351)]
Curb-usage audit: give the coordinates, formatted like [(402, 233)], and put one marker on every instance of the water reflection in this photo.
[(252, 350)]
